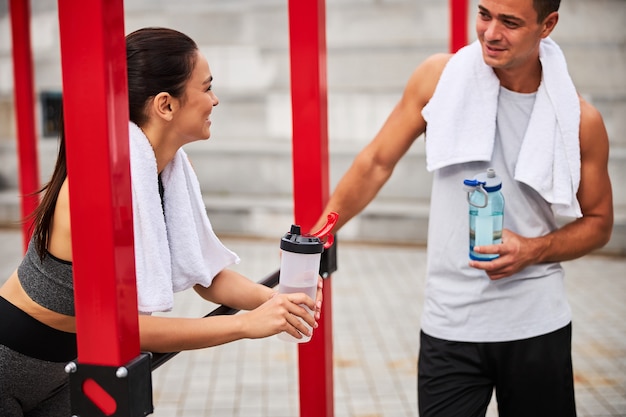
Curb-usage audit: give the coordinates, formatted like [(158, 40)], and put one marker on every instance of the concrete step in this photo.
[(383, 221), (247, 189)]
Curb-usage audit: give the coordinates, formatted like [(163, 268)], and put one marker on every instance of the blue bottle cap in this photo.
[(491, 182)]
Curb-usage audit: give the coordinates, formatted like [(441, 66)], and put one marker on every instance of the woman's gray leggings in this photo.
[(31, 387)]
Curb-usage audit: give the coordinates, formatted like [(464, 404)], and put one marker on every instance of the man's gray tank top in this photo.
[(462, 303)]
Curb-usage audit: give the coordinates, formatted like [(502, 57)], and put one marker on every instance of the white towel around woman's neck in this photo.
[(175, 246), (461, 124)]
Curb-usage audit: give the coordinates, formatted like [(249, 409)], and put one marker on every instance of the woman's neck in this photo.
[(163, 147)]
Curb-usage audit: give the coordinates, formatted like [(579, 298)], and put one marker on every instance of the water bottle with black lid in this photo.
[(300, 263)]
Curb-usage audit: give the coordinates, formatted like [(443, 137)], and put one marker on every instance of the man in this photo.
[(507, 102)]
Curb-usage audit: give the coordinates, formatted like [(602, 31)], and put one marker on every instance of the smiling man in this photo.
[(506, 102)]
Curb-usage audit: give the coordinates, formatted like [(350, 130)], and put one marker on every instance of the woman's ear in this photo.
[(163, 105)]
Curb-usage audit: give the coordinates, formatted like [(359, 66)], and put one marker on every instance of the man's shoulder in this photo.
[(427, 74), (437, 62)]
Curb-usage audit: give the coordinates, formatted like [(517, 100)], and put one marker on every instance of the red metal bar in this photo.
[(95, 103), (307, 31), (25, 111), (458, 24)]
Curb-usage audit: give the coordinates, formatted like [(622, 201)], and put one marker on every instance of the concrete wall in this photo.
[(373, 46)]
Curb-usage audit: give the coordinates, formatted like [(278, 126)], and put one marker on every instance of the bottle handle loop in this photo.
[(324, 232), (476, 186)]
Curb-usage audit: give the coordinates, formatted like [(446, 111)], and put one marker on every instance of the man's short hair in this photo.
[(545, 7)]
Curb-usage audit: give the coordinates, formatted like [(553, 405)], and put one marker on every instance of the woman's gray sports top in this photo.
[(49, 282)]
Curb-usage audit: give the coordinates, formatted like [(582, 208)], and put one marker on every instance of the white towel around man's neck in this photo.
[(461, 124), (175, 246)]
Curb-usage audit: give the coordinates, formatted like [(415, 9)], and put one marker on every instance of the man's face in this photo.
[(508, 32)]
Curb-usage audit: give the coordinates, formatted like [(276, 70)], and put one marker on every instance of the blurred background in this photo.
[(246, 176), (373, 46)]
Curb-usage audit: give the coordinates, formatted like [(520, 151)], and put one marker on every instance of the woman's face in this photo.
[(192, 120)]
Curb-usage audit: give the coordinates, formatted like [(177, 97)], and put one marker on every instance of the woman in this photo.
[(170, 101)]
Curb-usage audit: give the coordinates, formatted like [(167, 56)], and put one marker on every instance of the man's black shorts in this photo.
[(531, 377)]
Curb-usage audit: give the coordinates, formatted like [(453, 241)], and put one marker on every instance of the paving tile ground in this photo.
[(377, 294)]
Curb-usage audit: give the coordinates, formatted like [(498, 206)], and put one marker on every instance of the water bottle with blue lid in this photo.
[(486, 212)]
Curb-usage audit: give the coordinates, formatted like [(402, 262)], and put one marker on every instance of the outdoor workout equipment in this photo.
[(110, 376)]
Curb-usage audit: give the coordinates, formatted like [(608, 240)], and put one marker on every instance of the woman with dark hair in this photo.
[(170, 102)]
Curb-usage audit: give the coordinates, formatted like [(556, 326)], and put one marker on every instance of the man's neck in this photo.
[(520, 79)]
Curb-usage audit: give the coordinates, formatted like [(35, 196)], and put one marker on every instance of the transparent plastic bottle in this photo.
[(299, 269), (486, 212), (300, 264)]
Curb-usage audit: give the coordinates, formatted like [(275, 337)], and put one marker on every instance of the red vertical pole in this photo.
[(25, 111), (95, 104), (307, 31), (458, 24)]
